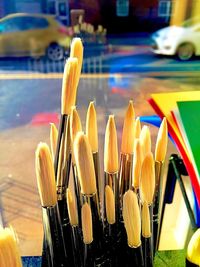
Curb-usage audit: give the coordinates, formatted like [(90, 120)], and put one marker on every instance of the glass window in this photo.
[(62, 9), (23, 24), (164, 8)]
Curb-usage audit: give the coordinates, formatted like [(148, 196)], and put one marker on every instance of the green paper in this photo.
[(190, 120), (175, 258)]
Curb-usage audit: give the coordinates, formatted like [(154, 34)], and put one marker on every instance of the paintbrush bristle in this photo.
[(145, 139), (91, 127), (161, 143), (69, 86), (86, 217), (132, 219), (137, 127), (75, 127), (110, 204), (193, 250), (45, 175), (53, 139), (146, 227), (85, 164), (77, 52), (111, 164), (71, 206), (137, 163), (147, 179), (9, 251), (128, 130)]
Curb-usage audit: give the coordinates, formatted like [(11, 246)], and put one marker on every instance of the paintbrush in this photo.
[(73, 218), (86, 216), (146, 236), (92, 135), (137, 128), (76, 50), (71, 76), (147, 184), (111, 165), (86, 174), (145, 139), (137, 163), (53, 139), (160, 153), (75, 127), (111, 224), (53, 233), (193, 250), (9, 250), (132, 223), (127, 145), (68, 100)]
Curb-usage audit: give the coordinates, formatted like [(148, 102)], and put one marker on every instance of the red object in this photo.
[(65, 31), (45, 118), (187, 162)]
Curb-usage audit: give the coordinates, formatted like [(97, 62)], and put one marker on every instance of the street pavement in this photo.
[(114, 58)]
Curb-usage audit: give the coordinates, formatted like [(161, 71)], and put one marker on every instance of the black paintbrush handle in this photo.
[(76, 247), (63, 120), (147, 252), (54, 236), (135, 257), (88, 257), (46, 260), (62, 205), (190, 264)]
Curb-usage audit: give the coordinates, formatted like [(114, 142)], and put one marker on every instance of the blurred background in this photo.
[(132, 48)]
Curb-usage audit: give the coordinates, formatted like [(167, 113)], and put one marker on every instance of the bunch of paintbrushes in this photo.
[(103, 220)]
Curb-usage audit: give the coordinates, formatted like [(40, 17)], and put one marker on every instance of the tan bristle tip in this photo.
[(111, 164), (9, 250), (77, 51), (85, 164), (72, 210), (45, 175), (193, 250), (137, 128), (75, 127), (75, 123), (86, 217), (53, 139), (91, 127), (147, 180), (128, 130), (132, 219), (110, 204), (69, 86), (146, 228), (145, 139), (161, 143), (137, 163)]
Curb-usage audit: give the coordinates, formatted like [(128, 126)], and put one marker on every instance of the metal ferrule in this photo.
[(111, 179), (64, 162), (97, 173), (93, 201), (54, 235), (158, 190), (77, 188), (125, 174)]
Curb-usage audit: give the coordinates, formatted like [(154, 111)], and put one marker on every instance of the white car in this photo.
[(182, 41)]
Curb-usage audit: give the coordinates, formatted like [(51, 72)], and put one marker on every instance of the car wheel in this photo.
[(55, 52), (185, 51)]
